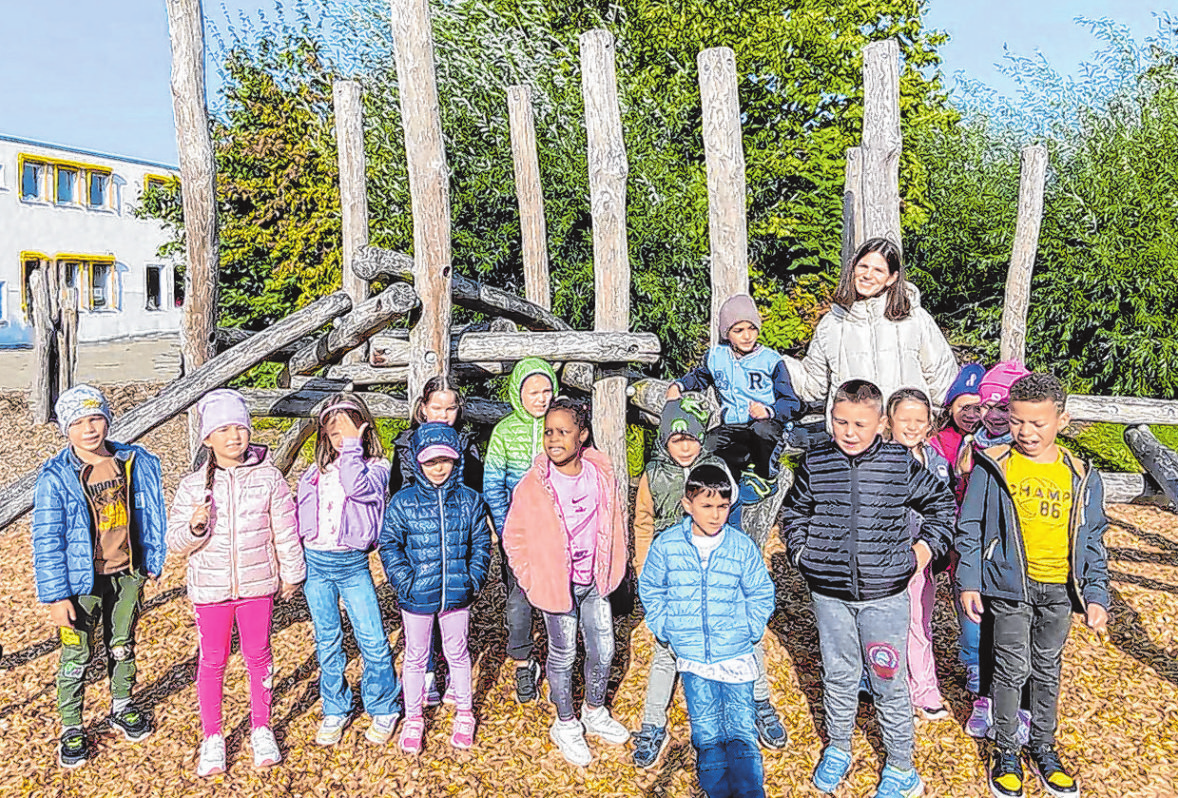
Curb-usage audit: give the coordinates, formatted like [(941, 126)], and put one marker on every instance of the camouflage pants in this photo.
[(114, 604)]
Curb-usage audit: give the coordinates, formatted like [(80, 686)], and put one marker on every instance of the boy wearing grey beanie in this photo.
[(98, 534)]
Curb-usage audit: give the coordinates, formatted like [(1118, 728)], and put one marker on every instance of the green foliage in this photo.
[(800, 92), (636, 449), (1104, 291)]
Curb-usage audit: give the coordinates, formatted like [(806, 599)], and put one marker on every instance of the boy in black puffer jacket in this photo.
[(845, 525)]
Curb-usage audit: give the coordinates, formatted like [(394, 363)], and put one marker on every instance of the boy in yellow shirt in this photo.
[(1031, 539)]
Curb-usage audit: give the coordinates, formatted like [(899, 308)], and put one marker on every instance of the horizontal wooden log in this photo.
[(373, 263), (355, 328), (229, 337), (1159, 461), (306, 402), (363, 374), (1128, 410), (593, 347), (17, 498), (1122, 488)]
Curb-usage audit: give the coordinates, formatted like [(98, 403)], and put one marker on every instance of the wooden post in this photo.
[(608, 169), (287, 450), (852, 205), (353, 191), (1032, 176), (198, 177), (530, 195), (881, 140), (67, 341), (429, 190), (727, 222), (44, 375)]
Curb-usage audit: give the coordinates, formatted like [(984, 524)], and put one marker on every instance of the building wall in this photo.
[(113, 248)]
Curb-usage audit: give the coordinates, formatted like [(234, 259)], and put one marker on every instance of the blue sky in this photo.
[(95, 75)]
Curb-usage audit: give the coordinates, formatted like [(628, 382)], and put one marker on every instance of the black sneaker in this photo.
[(1006, 774), (1046, 765), (649, 743), (527, 679), (769, 729), (132, 723), (74, 749)]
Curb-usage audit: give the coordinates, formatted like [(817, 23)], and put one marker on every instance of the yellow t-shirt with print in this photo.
[(1043, 499)]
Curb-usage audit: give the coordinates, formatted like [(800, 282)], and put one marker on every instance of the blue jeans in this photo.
[(591, 612), (332, 575), (724, 735)]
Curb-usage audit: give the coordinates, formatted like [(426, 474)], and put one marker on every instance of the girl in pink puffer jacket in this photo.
[(234, 519)]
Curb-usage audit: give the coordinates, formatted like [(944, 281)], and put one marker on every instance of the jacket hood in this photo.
[(687, 416), (436, 434), (524, 369)]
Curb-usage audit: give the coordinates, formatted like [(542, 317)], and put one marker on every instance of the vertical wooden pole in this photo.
[(608, 170), (724, 152), (44, 378), (852, 204), (198, 331), (881, 140), (1032, 177), (530, 195), (429, 177), (67, 349), (353, 192)]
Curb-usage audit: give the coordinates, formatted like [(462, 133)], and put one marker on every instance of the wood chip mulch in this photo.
[(1118, 710)]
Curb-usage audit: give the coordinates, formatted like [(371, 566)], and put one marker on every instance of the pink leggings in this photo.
[(922, 671), (418, 630), (214, 628)]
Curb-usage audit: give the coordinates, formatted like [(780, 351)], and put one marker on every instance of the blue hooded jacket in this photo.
[(63, 532), (706, 616), (435, 543)]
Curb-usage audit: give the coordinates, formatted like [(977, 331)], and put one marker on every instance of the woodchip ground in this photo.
[(1118, 726)]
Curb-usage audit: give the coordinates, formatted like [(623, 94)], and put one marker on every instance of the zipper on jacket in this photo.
[(442, 546), (855, 529), (1014, 520), (232, 532), (1074, 522), (703, 593), (129, 496)]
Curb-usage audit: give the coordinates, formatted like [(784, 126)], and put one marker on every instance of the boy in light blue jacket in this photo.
[(708, 595)]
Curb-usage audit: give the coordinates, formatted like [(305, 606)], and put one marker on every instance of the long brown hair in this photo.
[(357, 410), (898, 305), (434, 384)]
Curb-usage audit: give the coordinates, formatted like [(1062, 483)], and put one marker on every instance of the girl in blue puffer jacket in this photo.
[(436, 549)]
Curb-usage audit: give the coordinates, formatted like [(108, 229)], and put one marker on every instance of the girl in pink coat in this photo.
[(234, 519)]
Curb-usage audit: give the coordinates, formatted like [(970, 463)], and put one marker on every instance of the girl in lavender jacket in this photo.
[(341, 500), (234, 519)]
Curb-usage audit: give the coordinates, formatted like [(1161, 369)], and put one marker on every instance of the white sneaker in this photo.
[(432, 698), (265, 747), (980, 719), (599, 723), (381, 729), (212, 756), (569, 737), (331, 729)]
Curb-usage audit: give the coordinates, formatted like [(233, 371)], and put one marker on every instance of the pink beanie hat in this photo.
[(220, 408), (995, 386)]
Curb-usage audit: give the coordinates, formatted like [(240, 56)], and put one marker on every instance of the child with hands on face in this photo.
[(341, 502), (235, 521)]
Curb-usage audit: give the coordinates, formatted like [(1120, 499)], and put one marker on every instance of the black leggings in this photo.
[(754, 442)]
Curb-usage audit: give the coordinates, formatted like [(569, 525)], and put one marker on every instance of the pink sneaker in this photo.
[(462, 735), (412, 730)]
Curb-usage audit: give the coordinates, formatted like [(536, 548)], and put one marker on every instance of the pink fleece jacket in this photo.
[(252, 543), (538, 548)]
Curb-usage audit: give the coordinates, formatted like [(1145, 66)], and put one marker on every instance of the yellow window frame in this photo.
[(83, 169)]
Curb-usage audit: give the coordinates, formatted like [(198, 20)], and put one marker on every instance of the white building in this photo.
[(71, 211)]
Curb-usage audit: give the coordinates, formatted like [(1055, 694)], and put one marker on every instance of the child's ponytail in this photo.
[(210, 474)]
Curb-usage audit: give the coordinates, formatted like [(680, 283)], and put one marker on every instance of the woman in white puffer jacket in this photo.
[(876, 330)]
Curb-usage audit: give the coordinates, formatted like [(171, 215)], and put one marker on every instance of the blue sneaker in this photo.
[(832, 768), (649, 743), (895, 783)]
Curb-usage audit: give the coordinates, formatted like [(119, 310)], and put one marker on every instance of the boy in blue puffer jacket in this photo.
[(98, 534), (436, 549), (708, 596)]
